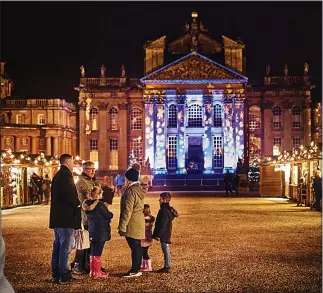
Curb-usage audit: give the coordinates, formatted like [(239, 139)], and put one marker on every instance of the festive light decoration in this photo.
[(207, 139), (311, 152), (254, 173), (180, 139), (149, 133), (160, 138)]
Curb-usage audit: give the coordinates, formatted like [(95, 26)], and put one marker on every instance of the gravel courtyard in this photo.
[(219, 245)]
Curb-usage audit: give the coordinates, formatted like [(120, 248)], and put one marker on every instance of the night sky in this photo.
[(45, 43)]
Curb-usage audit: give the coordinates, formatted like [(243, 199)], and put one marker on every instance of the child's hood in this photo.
[(89, 204)]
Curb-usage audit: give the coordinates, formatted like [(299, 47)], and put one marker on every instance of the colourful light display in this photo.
[(229, 145), (160, 138), (149, 133), (239, 129), (207, 139), (180, 140)]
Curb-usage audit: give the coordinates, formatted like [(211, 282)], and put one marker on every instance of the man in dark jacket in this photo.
[(65, 216), (317, 186), (163, 228)]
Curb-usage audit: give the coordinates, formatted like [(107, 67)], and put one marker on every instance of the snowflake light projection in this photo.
[(160, 138), (207, 145), (149, 135), (229, 145), (239, 130), (180, 139)]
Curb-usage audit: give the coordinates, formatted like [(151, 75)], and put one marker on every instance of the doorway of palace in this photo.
[(195, 155)]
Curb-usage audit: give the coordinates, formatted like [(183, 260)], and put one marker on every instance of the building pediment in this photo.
[(194, 68)]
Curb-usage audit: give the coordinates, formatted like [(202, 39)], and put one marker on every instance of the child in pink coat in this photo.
[(148, 241)]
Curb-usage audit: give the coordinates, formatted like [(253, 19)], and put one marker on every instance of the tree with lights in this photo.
[(254, 173), (132, 158)]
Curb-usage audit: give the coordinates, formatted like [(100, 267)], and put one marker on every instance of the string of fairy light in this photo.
[(302, 153)]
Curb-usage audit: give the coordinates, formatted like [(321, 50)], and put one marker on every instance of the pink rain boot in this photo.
[(97, 268), (143, 265), (149, 266)]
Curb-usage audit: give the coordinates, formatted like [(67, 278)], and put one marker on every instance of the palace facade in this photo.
[(194, 110)]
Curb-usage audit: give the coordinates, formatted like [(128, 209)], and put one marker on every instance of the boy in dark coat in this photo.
[(163, 228), (99, 218)]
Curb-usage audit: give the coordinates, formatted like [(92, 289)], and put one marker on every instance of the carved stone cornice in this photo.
[(287, 104), (103, 106), (123, 106), (267, 104)]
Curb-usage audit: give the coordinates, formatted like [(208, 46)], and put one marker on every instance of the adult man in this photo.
[(317, 186), (84, 185), (119, 182), (65, 217)]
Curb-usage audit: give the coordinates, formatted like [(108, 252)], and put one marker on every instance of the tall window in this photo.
[(277, 146), (277, 120), (218, 151), (254, 118), (113, 118), (94, 113), (136, 146), (94, 150), (20, 118), (195, 116), (113, 154), (296, 118), (136, 118), (41, 119), (296, 142), (3, 118), (171, 152), (172, 116), (217, 115)]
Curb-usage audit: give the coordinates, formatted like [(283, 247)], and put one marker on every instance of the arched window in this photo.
[(296, 118), (217, 115), (254, 118), (41, 119), (172, 116), (113, 118), (136, 118), (277, 119), (195, 116), (94, 118)]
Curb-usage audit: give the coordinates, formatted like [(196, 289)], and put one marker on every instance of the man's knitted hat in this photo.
[(133, 173)]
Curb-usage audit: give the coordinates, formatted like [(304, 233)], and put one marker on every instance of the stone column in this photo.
[(103, 139), (56, 150), (150, 133), (180, 135), (267, 149), (123, 153), (18, 144), (15, 149), (207, 137), (307, 120), (160, 139), (228, 139), (83, 143), (48, 146), (33, 145), (287, 126), (238, 126)]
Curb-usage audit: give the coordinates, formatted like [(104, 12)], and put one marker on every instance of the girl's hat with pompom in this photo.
[(133, 173)]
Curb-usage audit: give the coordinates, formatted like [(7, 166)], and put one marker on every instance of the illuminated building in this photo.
[(194, 110), (37, 125)]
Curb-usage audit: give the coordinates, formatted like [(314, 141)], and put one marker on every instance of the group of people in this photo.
[(232, 181), (39, 187), (85, 205)]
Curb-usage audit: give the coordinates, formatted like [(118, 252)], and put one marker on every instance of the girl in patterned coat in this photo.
[(148, 241)]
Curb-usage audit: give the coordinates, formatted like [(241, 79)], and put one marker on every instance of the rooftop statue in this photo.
[(306, 68), (103, 70), (268, 69), (82, 71), (285, 70), (123, 71)]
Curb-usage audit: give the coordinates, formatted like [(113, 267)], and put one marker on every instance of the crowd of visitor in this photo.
[(84, 207)]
